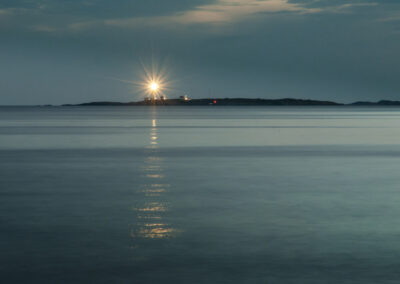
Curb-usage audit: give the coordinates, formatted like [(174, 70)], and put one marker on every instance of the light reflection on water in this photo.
[(152, 212)]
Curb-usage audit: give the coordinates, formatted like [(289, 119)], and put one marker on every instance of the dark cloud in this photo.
[(101, 8)]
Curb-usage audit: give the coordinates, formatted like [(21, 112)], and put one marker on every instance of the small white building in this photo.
[(184, 98)]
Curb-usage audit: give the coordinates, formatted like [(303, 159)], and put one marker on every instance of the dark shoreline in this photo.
[(236, 102)]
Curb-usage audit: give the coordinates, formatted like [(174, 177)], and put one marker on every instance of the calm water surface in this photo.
[(199, 195)]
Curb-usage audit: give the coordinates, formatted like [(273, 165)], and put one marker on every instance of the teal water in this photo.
[(199, 195)]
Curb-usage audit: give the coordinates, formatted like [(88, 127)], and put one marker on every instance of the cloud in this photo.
[(44, 28), (6, 12), (221, 12), (348, 6), (392, 18), (224, 12), (230, 10), (52, 16)]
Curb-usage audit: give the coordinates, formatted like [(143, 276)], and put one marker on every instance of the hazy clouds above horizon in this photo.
[(68, 51)]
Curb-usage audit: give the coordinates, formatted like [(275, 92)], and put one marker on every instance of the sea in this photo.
[(206, 194)]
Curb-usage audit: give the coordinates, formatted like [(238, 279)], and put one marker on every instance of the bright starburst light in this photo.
[(152, 80), (153, 86)]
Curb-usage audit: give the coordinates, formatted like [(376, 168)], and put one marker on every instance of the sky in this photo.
[(69, 51)]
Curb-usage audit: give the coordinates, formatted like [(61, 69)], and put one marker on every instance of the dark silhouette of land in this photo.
[(237, 102)]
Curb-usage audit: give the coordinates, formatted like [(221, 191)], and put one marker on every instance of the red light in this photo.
[(214, 101)]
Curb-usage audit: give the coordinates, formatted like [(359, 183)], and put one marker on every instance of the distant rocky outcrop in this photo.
[(237, 102), (379, 103), (220, 102)]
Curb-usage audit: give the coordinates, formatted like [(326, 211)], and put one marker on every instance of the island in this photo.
[(185, 101)]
